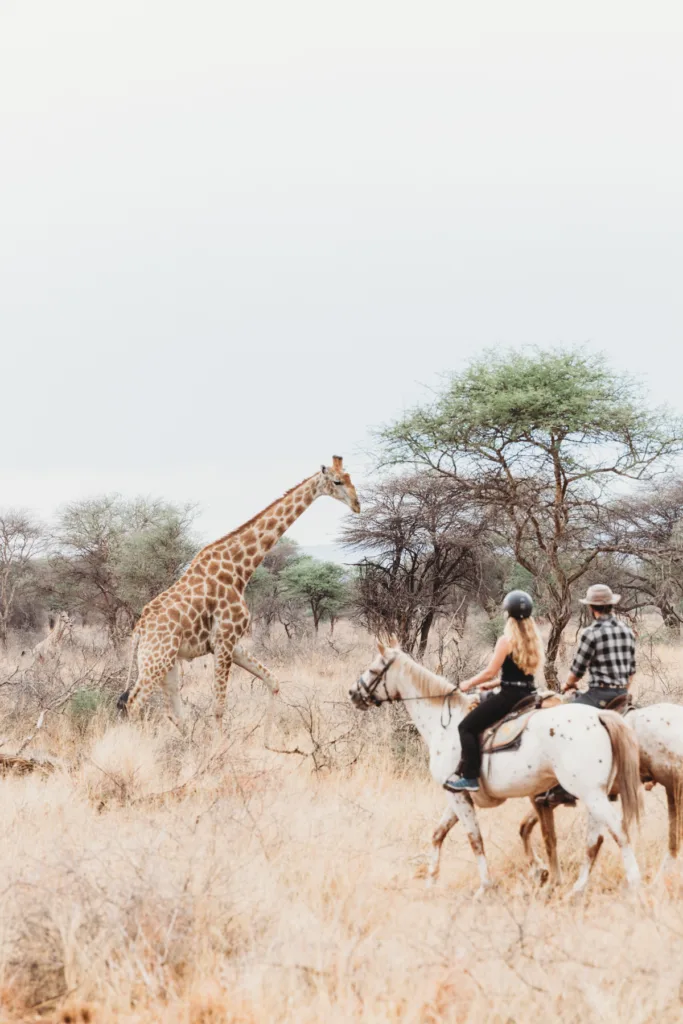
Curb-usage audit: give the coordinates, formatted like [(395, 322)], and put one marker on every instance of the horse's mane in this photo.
[(428, 683)]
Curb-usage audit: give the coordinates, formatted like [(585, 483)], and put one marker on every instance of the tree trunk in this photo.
[(424, 633), (558, 624), (671, 621)]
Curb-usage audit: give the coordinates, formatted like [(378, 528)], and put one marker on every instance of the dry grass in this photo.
[(208, 880)]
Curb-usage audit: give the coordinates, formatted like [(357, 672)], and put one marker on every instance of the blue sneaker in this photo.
[(455, 784)]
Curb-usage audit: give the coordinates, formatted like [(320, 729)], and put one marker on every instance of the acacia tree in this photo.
[(268, 598), (647, 537), (111, 555), (425, 550), (21, 540), (321, 585), (540, 439)]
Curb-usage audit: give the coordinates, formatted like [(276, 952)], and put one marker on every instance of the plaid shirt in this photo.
[(608, 649)]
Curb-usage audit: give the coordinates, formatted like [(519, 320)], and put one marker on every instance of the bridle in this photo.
[(367, 692)]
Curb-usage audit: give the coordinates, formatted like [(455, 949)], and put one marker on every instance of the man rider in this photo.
[(607, 651)]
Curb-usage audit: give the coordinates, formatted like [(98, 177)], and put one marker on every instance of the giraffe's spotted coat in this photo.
[(205, 610)]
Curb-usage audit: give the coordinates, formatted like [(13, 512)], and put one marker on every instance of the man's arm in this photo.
[(572, 680), (581, 661)]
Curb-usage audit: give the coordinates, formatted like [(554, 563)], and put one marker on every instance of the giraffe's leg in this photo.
[(222, 659), (153, 672), (173, 696), (247, 661)]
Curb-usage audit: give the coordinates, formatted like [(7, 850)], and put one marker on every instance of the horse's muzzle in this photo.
[(358, 700)]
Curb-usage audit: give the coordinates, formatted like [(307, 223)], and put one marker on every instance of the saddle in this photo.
[(507, 733), (621, 704)]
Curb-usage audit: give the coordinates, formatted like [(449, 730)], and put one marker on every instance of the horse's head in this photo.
[(377, 685)]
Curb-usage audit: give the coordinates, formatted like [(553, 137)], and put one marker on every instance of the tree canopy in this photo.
[(541, 438)]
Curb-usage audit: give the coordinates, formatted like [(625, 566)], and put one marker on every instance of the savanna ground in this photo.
[(207, 880)]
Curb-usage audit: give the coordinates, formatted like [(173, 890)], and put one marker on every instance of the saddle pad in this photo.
[(505, 734), (508, 732)]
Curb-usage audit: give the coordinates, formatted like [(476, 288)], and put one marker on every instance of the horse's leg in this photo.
[(547, 818), (672, 786), (594, 840), (448, 820), (605, 815), (539, 869), (464, 809)]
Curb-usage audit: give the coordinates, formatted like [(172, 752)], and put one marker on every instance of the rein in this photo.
[(368, 693)]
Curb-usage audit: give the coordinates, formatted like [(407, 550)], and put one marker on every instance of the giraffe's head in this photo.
[(335, 481)]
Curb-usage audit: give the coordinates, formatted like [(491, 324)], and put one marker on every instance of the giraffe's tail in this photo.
[(122, 702)]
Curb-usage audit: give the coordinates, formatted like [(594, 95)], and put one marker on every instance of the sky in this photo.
[(236, 237)]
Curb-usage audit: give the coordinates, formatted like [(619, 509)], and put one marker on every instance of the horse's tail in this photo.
[(625, 764)]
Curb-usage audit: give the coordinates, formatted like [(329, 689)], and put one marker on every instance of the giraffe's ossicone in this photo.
[(205, 610)]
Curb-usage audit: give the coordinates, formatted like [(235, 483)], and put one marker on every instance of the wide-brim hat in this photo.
[(600, 595)]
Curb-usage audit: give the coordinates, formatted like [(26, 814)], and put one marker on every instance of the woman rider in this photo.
[(518, 656)]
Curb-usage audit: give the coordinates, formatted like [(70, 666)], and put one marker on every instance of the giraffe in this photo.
[(205, 610), (61, 635)]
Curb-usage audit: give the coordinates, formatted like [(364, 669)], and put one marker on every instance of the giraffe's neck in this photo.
[(255, 539)]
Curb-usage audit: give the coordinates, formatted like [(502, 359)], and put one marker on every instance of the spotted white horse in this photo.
[(659, 731), (589, 751)]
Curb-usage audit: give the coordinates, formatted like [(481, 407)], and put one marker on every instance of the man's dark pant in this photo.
[(599, 696), (491, 709)]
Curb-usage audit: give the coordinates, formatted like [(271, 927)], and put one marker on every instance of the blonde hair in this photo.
[(527, 644)]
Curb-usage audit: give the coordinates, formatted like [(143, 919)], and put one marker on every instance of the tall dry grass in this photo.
[(204, 879)]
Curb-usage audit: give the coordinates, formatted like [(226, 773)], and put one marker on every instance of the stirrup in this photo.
[(555, 797)]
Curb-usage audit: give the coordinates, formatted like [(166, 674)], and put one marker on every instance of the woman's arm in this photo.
[(500, 653)]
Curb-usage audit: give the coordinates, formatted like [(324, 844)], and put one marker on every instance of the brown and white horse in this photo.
[(659, 731)]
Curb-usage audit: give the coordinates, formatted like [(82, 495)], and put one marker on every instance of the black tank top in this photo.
[(511, 673)]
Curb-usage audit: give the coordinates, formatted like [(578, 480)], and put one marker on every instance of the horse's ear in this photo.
[(380, 647)]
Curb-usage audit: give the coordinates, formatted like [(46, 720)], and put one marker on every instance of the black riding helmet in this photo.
[(518, 604)]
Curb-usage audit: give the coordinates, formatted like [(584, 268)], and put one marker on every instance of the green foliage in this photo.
[(151, 557), (528, 406), (323, 585), (114, 555), (84, 705), (520, 578), (537, 438), (491, 629), (266, 595)]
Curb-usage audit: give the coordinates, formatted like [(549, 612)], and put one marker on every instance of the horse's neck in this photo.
[(431, 717)]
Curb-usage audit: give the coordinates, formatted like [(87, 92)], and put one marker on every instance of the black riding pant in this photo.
[(599, 696), (492, 709)]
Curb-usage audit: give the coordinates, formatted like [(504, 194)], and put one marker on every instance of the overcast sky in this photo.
[(234, 236)]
